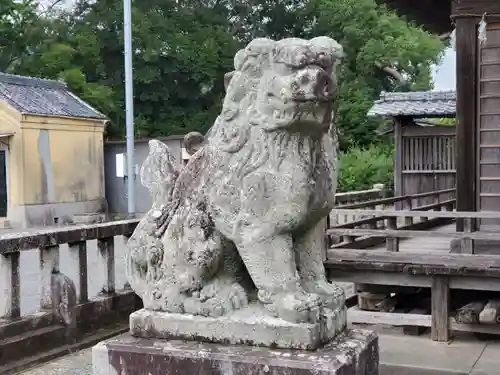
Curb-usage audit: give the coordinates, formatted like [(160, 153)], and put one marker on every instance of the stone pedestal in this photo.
[(354, 352), (251, 325)]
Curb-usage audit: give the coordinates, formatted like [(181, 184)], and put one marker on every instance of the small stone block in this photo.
[(249, 326), (355, 352)]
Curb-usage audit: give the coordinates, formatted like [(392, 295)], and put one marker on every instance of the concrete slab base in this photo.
[(354, 352), (252, 326), (410, 355)]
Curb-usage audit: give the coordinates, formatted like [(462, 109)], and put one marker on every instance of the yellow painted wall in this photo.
[(63, 160)]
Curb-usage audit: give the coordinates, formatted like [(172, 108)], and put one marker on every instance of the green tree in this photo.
[(20, 31), (181, 54), (183, 48), (383, 53)]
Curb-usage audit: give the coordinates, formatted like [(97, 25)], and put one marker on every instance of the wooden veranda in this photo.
[(434, 264), (399, 263)]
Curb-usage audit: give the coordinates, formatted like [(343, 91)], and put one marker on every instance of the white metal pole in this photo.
[(129, 104)]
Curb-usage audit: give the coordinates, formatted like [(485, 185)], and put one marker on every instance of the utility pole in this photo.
[(129, 104)]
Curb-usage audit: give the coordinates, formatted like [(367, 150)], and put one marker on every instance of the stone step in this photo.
[(52, 352), (28, 343), (10, 328)]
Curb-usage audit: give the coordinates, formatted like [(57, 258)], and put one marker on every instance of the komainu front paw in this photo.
[(332, 296), (296, 307), (219, 297)]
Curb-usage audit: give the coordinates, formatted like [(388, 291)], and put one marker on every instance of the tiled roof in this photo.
[(418, 103), (35, 96)]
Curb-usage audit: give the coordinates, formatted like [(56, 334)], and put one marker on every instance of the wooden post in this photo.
[(466, 47), (328, 238), (467, 244), (333, 220), (392, 243), (437, 200), (398, 163), (10, 286), (382, 194), (49, 263), (440, 304), (78, 255), (323, 242), (107, 259), (409, 207)]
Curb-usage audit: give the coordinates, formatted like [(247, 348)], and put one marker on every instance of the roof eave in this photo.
[(422, 115), (104, 119)]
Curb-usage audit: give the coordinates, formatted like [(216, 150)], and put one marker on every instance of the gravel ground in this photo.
[(79, 363)]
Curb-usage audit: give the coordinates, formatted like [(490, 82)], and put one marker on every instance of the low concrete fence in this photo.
[(67, 315)]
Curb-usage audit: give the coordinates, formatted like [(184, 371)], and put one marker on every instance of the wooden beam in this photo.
[(343, 273), (415, 213), (355, 315), (467, 8), (427, 131), (400, 233), (455, 265), (466, 71), (367, 242)]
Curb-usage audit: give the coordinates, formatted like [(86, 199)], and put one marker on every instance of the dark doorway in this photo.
[(3, 185)]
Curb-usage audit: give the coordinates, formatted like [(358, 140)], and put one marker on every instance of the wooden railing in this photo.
[(66, 311), (374, 216), (377, 192), (464, 270)]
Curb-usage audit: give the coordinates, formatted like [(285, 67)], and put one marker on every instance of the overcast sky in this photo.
[(444, 74)]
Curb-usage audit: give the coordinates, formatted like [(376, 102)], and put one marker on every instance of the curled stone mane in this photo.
[(238, 122), (237, 132)]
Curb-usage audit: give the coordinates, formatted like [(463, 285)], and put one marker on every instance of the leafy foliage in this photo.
[(361, 168), (371, 35), (179, 61), (183, 48), (448, 121), (20, 31)]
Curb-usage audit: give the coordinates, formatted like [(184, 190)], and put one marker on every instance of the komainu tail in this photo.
[(158, 174)]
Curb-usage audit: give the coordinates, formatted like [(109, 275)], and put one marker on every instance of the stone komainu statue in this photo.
[(243, 220)]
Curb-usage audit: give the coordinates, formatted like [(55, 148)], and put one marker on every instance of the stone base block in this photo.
[(249, 326), (354, 352)]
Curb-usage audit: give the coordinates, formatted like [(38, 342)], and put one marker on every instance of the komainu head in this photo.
[(288, 84)]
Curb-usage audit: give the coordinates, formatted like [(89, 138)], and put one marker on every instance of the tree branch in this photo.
[(391, 71), (51, 6), (445, 36)]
